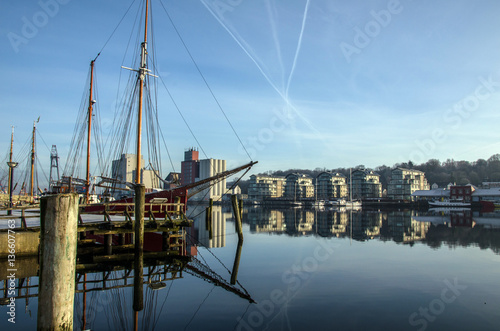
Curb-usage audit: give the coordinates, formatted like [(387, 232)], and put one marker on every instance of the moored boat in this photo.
[(449, 203), (138, 96)]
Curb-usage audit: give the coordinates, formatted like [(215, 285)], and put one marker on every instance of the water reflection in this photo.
[(173, 276), (107, 292), (205, 236), (433, 227), (124, 284)]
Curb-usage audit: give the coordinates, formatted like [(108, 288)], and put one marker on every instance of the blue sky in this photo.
[(306, 84)]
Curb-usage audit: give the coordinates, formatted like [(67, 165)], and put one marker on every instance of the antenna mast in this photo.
[(54, 164)]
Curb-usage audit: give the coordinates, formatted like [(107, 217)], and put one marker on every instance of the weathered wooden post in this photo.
[(241, 209), (138, 304), (140, 198), (208, 218), (236, 265), (177, 202), (108, 244), (58, 239), (165, 241), (121, 239), (237, 217)]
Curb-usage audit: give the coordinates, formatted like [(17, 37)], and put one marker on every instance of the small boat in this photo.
[(353, 204), (449, 203), (448, 210), (337, 203), (318, 204), (487, 204)]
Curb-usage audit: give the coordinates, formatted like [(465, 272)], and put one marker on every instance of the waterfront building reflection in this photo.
[(200, 232), (181, 291), (400, 226)]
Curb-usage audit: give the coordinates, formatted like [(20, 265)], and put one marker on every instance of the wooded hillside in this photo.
[(441, 173)]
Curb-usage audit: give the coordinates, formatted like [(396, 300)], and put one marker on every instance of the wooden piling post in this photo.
[(108, 244), (240, 204), (236, 265), (177, 202), (237, 217), (58, 240), (121, 239), (138, 304), (165, 241), (140, 198), (208, 218)]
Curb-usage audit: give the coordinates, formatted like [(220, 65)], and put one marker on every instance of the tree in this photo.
[(442, 173)]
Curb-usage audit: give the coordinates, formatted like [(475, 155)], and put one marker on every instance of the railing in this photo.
[(13, 214), (172, 212), (152, 210)]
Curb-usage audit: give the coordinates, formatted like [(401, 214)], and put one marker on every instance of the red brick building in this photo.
[(462, 193), (190, 167)]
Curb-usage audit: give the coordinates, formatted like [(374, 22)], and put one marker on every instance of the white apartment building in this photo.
[(209, 168), (404, 182), (124, 170), (262, 187)]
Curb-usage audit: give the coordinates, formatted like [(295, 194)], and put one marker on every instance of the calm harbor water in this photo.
[(310, 269)]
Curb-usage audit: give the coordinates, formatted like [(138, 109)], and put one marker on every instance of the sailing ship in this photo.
[(140, 97), (29, 190)]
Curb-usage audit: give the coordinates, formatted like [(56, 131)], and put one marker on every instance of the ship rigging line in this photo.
[(242, 316), (205, 81), (116, 28), (182, 116), (199, 307), (112, 139), (225, 193), (155, 117), (215, 256), (156, 320)]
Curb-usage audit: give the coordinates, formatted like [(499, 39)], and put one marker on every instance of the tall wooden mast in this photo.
[(89, 120), (142, 75), (32, 185), (11, 165), (10, 162)]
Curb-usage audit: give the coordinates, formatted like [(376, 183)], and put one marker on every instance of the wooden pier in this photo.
[(105, 244), (115, 220)]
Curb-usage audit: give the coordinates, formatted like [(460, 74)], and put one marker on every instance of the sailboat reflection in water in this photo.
[(104, 282)]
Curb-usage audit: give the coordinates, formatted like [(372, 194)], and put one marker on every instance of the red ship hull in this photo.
[(178, 195)]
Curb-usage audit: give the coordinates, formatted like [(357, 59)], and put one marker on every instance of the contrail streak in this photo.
[(271, 12), (297, 51), (246, 48)]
